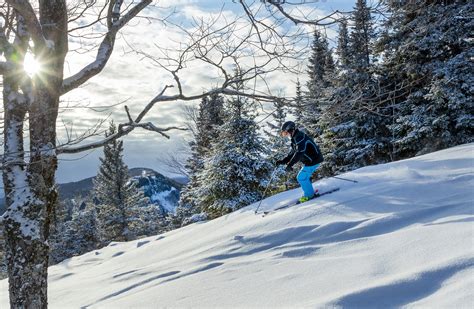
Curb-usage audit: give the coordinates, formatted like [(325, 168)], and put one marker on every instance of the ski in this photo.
[(298, 202)]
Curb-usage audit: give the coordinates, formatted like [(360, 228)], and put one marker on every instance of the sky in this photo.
[(399, 238), (131, 79)]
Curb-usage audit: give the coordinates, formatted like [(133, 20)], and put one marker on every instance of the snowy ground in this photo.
[(402, 236)]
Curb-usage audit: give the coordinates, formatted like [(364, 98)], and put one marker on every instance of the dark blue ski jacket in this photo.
[(303, 149)]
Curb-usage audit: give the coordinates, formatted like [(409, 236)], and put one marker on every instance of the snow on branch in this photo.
[(151, 127), (76, 149), (24, 8), (115, 23)]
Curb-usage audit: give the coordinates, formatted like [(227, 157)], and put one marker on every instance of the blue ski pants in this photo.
[(304, 179)]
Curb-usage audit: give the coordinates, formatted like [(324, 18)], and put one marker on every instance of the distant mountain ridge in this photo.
[(84, 186), (161, 190)]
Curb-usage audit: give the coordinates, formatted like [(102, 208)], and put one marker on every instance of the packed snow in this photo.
[(401, 236)]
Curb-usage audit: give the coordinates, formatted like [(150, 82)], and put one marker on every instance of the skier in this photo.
[(303, 149)]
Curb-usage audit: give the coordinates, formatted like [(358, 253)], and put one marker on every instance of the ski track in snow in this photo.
[(401, 237)]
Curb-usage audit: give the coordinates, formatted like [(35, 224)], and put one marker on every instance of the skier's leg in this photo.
[(312, 170), (304, 179), (305, 182)]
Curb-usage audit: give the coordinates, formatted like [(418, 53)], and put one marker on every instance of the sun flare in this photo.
[(31, 66)]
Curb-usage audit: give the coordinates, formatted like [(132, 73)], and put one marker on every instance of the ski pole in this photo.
[(340, 178), (266, 189)]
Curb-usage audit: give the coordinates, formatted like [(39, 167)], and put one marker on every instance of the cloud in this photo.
[(173, 3)]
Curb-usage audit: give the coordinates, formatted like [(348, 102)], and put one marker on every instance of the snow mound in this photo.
[(402, 236)]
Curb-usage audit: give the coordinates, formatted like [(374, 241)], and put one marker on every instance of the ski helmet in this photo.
[(288, 126)]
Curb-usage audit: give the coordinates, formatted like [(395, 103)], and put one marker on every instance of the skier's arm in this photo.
[(295, 158), (287, 159)]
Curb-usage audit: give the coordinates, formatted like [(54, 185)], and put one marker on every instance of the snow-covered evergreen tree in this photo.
[(319, 66), (361, 38), (343, 52), (277, 145), (340, 107), (329, 69), (75, 236), (151, 221), (416, 100), (209, 117), (355, 128), (236, 173), (427, 75), (119, 198), (299, 109)]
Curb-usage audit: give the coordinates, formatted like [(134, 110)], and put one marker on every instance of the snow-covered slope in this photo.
[(402, 236)]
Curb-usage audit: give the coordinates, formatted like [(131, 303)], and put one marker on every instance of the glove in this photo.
[(279, 162), (288, 168)]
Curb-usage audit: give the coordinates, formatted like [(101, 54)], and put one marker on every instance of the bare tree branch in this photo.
[(106, 47), (318, 22), (126, 128), (128, 114)]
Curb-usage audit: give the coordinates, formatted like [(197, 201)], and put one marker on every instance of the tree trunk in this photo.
[(30, 192), (26, 247)]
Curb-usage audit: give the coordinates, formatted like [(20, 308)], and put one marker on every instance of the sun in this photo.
[(31, 66)]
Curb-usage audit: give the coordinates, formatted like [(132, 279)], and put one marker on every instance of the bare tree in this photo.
[(43, 29)]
